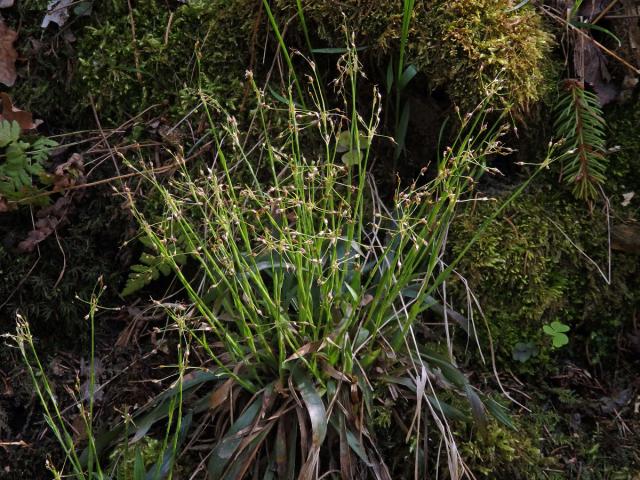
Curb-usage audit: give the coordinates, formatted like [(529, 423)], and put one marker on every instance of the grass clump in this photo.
[(303, 291)]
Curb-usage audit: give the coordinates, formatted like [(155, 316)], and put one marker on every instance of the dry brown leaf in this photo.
[(57, 12), (8, 55), (69, 173), (221, 394), (49, 219), (11, 113), (5, 206)]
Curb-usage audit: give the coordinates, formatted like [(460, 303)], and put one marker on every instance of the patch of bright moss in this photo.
[(124, 61), (527, 271), (460, 45), (503, 453), (174, 53)]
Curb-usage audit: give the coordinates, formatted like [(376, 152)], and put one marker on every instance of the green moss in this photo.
[(526, 273), (503, 453), (46, 286), (45, 66), (177, 50), (123, 457), (461, 45), (473, 43), (623, 122), (203, 44)]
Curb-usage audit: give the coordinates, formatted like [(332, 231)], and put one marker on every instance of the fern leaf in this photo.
[(580, 122), (152, 265), (22, 160), (9, 132)]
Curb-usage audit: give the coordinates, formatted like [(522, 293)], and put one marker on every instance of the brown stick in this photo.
[(164, 169), (136, 55), (605, 11), (595, 42)]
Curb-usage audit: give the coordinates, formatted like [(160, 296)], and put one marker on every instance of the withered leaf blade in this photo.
[(8, 55), (318, 417), (11, 113), (57, 12), (220, 394)]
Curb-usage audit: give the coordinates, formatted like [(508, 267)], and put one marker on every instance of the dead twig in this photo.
[(604, 11), (136, 55), (580, 32), (104, 181)]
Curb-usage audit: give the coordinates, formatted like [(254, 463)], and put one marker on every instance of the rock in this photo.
[(626, 238)]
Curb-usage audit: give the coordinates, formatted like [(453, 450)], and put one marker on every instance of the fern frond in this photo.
[(579, 121), (23, 161), (152, 265)]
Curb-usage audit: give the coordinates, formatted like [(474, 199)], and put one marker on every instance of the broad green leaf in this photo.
[(389, 77), (477, 407), (138, 466), (559, 327), (560, 340), (401, 131), (315, 406), (499, 412), (351, 158), (226, 448), (407, 76)]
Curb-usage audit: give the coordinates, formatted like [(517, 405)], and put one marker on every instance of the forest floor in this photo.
[(123, 123)]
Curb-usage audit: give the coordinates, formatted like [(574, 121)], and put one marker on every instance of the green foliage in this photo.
[(623, 121), (152, 265), (201, 44), (23, 161), (295, 291), (523, 351), (504, 453), (558, 333), (461, 46), (526, 273), (46, 290), (127, 460), (580, 123), (474, 43)]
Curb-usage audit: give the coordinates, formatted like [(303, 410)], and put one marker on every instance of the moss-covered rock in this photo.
[(536, 264), (154, 54), (462, 46), (122, 61)]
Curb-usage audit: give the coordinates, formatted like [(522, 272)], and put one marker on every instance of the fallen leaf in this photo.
[(627, 198), (8, 55), (68, 173), (5, 206), (220, 395), (6, 3), (11, 113), (57, 12), (49, 219)]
